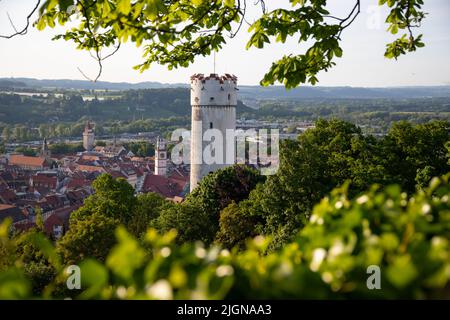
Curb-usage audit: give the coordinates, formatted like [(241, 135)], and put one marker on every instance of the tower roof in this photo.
[(214, 76), (160, 144), (89, 126)]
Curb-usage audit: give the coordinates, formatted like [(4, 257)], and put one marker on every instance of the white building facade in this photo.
[(88, 136), (213, 101)]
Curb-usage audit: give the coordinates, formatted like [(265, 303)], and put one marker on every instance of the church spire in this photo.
[(45, 151)]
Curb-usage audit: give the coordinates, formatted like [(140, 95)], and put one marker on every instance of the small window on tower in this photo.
[(212, 98), (229, 96), (210, 125)]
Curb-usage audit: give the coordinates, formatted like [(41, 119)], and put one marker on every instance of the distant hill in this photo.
[(127, 105), (9, 84), (308, 92), (246, 93), (85, 85)]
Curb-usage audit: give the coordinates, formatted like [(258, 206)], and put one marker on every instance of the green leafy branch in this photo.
[(174, 32)]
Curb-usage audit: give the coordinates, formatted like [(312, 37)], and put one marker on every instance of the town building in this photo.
[(45, 151), (12, 212), (59, 186), (160, 158), (29, 163), (111, 151), (88, 136), (172, 187), (213, 101)]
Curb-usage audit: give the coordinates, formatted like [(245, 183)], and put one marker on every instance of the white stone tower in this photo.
[(160, 157), (88, 136), (213, 101)]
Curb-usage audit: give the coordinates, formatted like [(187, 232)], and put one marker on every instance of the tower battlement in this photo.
[(213, 90)]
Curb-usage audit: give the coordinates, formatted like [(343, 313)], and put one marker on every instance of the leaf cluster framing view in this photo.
[(362, 185)]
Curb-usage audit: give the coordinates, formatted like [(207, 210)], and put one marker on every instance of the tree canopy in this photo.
[(334, 153), (310, 230), (175, 32), (91, 229), (407, 236), (198, 217)]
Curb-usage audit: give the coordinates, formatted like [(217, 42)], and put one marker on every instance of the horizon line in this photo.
[(246, 85)]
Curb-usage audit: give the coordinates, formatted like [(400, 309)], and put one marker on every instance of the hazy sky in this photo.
[(36, 55)]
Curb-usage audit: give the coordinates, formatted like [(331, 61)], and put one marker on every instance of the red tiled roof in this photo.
[(51, 221), (41, 190), (7, 196), (90, 157), (77, 196), (43, 180), (10, 211), (116, 174), (162, 185), (179, 177), (27, 202), (19, 160), (139, 172), (64, 214), (90, 168), (78, 182), (6, 207), (53, 201)]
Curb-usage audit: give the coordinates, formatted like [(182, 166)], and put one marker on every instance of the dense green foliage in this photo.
[(26, 151), (72, 106), (160, 111), (113, 197), (237, 225), (327, 214), (333, 153), (148, 209), (37, 267), (407, 237), (113, 203), (141, 148), (373, 115), (92, 226), (66, 148), (163, 110), (197, 218), (88, 236), (192, 224)]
